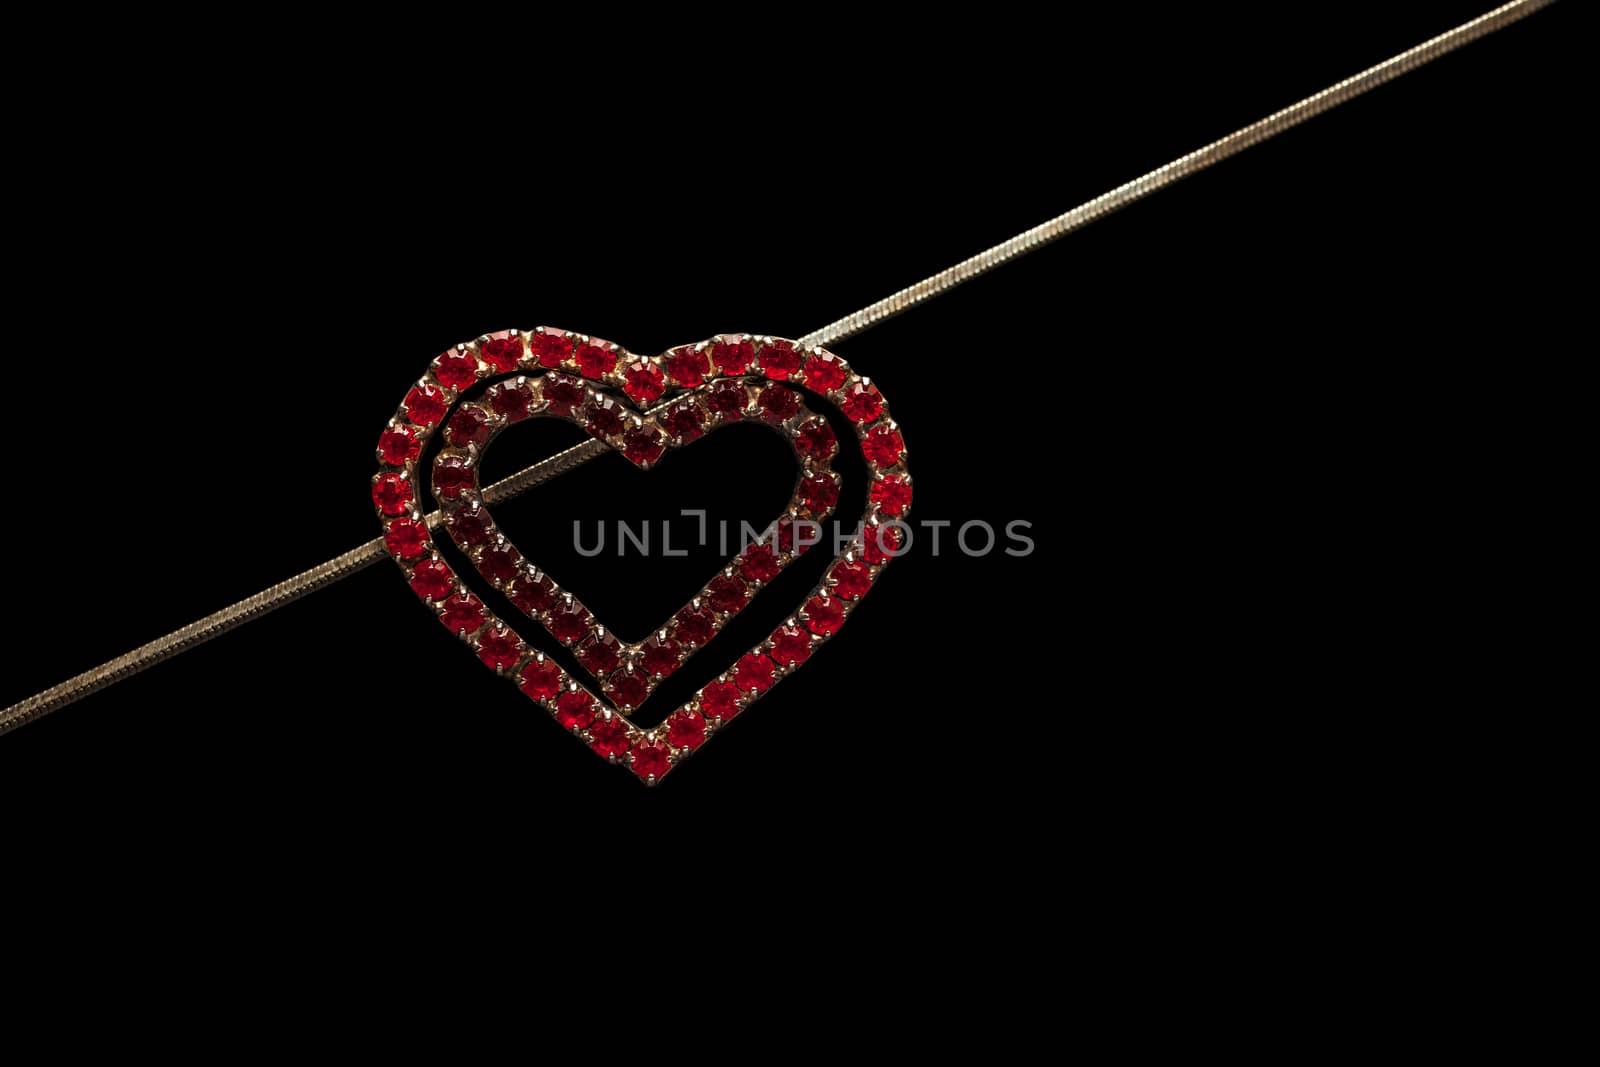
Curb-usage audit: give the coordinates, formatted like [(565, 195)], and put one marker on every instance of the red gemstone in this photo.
[(728, 399), (463, 613), (880, 543), (604, 416), (790, 645), (499, 563), (732, 357), (468, 426), (650, 760), (406, 538), (862, 402), (628, 688), (643, 445), (824, 615), (851, 580), (825, 373), (499, 649), (660, 655), (883, 446), (686, 729), (760, 563), (569, 623), (695, 627), (609, 737), (452, 476), (643, 381), (432, 580), (789, 542), (688, 367), (600, 653), (778, 403), (779, 359), (726, 593), (425, 404), (575, 709), (892, 495), (553, 349), (819, 492), (541, 679), (533, 593), (456, 369), (511, 401), (753, 673), (564, 393), (719, 700), (502, 351), (470, 527), (816, 439), (392, 493), (397, 446), (595, 361), (685, 421)]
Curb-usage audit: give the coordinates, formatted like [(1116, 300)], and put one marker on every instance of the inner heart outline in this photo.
[(698, 369), (628, 673)]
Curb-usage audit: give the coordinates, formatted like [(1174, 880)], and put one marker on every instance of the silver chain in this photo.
[(318, 577), (1177, 170)]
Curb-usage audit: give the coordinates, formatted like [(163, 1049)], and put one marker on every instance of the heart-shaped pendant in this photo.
[(732, 377)]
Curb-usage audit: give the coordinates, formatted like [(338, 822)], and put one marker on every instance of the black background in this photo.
[(1208, 406)]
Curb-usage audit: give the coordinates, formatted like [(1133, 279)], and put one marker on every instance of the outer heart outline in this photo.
[(649, 753)]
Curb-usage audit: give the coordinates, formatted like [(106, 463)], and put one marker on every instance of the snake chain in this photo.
[(365, 555)]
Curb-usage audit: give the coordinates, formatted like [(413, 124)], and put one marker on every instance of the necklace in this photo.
[(325, 574)]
